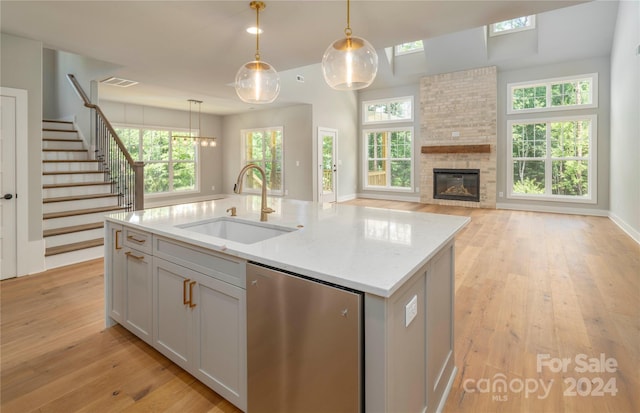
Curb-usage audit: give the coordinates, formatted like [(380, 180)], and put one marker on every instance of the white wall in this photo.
[(210, 157), (21, 68), (625, 119), (60, 99)]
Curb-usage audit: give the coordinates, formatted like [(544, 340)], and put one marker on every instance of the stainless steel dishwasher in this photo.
[(304, 345)]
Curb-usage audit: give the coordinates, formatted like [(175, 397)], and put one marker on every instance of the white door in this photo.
[(8, 222), (327, 165)]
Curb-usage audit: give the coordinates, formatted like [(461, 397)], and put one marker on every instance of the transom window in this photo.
[(388, 110), (512, 25), (171, 165), (553, 158), (389, 159), (410, 47), (264, 147), (553, 94)]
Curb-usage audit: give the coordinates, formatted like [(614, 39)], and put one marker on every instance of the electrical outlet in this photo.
[(213, 187), (455, 134), (410, 311), (500, 194)]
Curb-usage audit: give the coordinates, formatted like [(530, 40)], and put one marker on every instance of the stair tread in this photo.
[(64, 150), (63, 214), (74, 247), (73, 184), (57, 121), (68, 160), (78, 197), (72, 229), (61, 140), (59, 130), (72, 172)]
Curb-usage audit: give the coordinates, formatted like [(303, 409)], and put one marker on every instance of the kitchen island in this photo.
[(178, 283)]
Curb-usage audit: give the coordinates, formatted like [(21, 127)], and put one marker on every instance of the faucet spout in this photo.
[(237, 188)]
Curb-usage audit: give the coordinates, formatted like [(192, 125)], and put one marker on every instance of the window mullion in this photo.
[(548, 169)]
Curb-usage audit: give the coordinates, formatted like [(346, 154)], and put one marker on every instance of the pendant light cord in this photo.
[(347, 30), (258, 6)]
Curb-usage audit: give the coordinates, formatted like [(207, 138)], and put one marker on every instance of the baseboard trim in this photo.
[(390, 197), (628, 229), (60, 260), (345, 198), (552, 209)]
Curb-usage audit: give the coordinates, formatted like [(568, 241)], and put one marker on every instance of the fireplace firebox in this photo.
[(456, 184)]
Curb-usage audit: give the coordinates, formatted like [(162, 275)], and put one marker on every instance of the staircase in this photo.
[(76, 195)]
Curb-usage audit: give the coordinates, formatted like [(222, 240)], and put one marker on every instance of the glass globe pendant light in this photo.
[(350, 63), (257, 81)]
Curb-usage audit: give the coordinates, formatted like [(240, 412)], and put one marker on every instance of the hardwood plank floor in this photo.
[(527, 284)]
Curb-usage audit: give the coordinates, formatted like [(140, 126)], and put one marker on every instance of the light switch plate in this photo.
[(410, 311)]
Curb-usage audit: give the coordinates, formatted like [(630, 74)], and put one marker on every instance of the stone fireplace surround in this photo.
[(459, 130)]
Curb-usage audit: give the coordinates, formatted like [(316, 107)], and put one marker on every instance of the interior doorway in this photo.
[(13, 138), (327, 165)]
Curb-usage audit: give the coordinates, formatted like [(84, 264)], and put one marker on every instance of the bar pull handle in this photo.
[(139, 241), (132, 255), (191, 284), (118, 246), (184, 291)]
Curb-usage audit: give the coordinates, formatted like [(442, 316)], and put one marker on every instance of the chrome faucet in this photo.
[(237, 188)]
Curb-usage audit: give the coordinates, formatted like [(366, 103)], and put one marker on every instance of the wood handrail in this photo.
[(83, 96), (131, 186)]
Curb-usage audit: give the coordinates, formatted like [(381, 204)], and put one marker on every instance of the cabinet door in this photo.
[(137, 285), (220, 351), (114, 274), (172, 332)]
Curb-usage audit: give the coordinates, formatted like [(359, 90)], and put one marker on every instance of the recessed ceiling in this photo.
[(181, 50)]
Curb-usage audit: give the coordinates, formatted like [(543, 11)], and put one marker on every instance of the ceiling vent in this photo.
[(116, 81)]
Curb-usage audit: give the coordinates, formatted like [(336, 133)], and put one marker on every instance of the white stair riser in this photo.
[(54, 261), (70, 178), (57, 125), (79, 204), (63, 156), (76, 190), (64, 239), (54, 223), (60, 134), (69, 166), (62, 145)]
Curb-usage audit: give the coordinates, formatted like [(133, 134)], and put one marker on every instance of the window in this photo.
[(388, 110), (264, 147), (411, 47), (170, 163), (389, 159), (553, 94), (513, 25), (553, 159)]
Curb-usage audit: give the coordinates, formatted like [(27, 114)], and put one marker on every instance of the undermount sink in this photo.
[(231, 229)]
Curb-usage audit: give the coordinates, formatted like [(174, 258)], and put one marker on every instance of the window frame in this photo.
[(548, 160), (365, 162), (172, 131), (398, 52), (387, 101), (548, 83), (243, 159), (493, 32)]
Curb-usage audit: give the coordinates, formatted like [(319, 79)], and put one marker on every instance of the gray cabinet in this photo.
[(114, 259), (199, 320)]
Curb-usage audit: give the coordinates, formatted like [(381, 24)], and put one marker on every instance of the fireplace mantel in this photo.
[(485, 148)]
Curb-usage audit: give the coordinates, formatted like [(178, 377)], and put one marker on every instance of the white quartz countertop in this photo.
[(367, 249)]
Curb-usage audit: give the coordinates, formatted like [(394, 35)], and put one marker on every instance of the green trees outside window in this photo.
[(263, 147), (170, 160), (389, 158), (552, 157)]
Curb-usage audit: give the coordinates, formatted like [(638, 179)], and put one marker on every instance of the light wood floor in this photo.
[(526, 284)]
